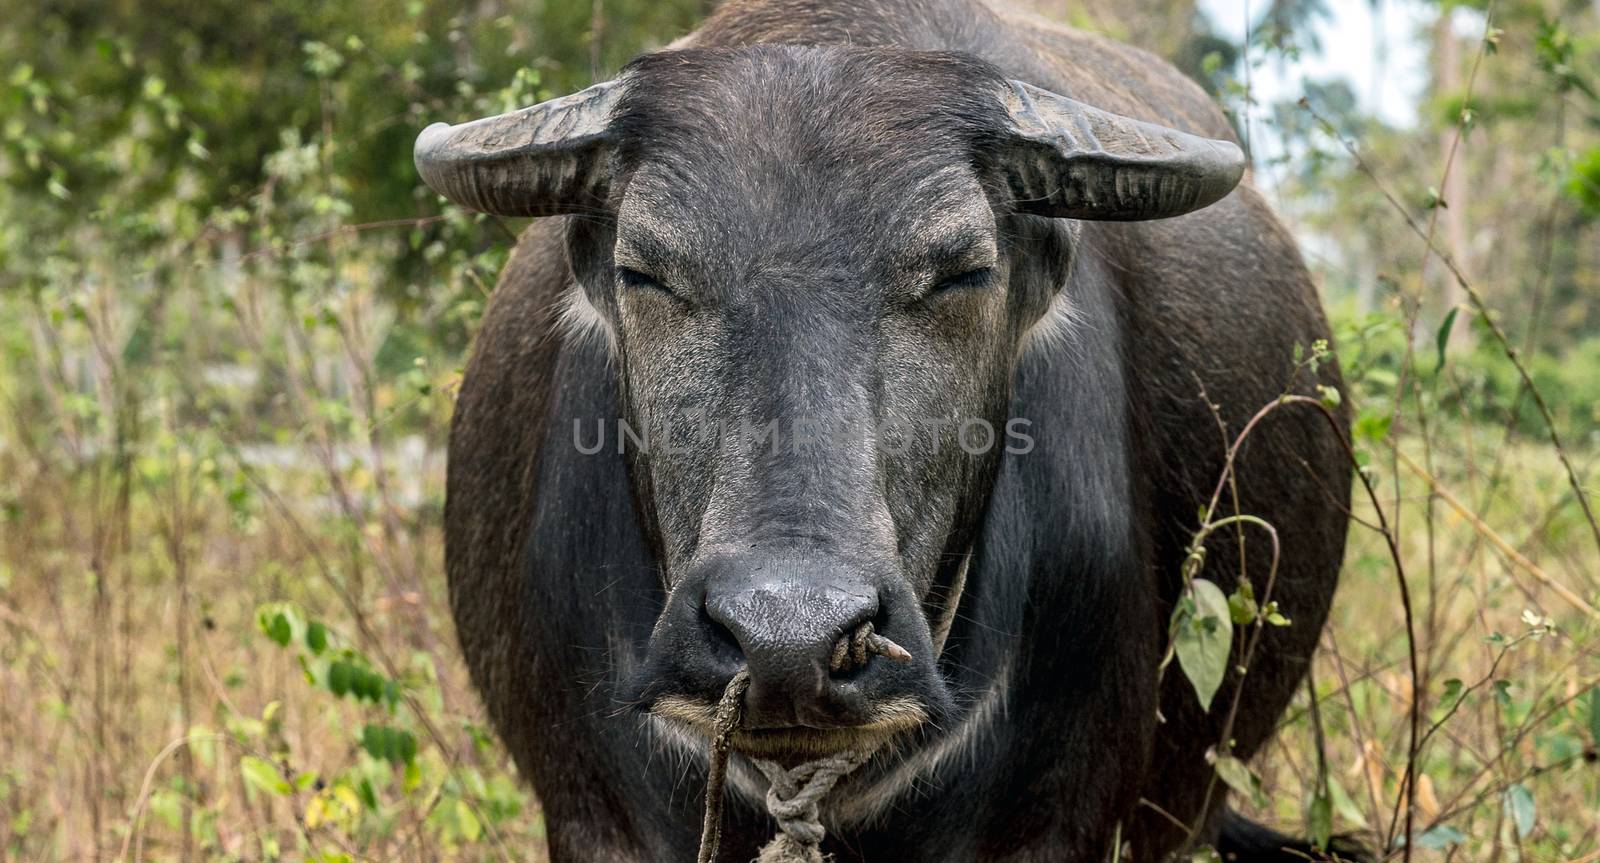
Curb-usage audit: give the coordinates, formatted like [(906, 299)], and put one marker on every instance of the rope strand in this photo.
[(794, 797), (855, 649), (730, 712)]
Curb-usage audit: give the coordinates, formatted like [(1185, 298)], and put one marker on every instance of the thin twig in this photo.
[(1494, 539)]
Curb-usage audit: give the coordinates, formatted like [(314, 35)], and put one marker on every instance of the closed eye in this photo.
[(970, 279), (634, 279)]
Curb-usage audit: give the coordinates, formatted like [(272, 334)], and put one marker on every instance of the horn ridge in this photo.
[(1066, 159), (543, 160)]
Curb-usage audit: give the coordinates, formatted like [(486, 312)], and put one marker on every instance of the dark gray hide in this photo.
[(863, 216)]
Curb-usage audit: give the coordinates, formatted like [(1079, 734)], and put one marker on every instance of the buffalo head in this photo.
[(815, 269)]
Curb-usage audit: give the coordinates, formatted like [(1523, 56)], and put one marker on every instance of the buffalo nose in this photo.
[(789, 634)]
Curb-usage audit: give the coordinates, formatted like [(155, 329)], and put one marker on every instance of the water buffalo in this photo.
[(885, 217)]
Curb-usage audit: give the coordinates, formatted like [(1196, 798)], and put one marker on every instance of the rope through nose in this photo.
[(856, 648), (730, 712), (794, 797)]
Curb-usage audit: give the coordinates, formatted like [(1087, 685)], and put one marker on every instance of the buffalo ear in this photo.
[(546, 160), (1066, 159)]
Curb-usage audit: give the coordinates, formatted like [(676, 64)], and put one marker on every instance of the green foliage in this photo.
[(1237, 776), (1477, 379), (165, 121), (224, 290), (1584, 185), (1441, 838), (1203, 637), (1520, 809), (1319, 817), (263, 775), (397, 773)]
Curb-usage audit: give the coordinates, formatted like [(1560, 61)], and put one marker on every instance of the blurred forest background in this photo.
[(232, 322)]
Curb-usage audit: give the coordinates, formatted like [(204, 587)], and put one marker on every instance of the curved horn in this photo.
[(1070, 160), (545, 160)]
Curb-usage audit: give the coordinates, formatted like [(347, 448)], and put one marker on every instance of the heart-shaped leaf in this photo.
[(1203, 640)]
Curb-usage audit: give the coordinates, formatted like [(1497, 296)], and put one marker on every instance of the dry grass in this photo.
[(1509, 668), (156, 520), (189, 488), (139, 681)]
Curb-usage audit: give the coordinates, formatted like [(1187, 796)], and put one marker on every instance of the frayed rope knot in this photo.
[(786, 849), (794, 797)]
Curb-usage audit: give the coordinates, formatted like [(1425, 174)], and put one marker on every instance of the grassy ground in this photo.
[(1508, 669), (223, 632), (224, 628)]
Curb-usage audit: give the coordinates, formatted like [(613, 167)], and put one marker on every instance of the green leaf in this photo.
[(467, 822), (1594, 714), (389, 744), (1344, 805), (1442, 340), (1242, 608), (1384, 378), (368, 686), (373, 740), (278, 629), (316, 637), (339, 677), (1203, 640), (1520, 808), (1239, 777), (1319, 819), (167, 805), (263, 775), (1372, 425), (1583, 184), (1440, 838)]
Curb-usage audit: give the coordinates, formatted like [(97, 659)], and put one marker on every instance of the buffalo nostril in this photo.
[(723, 642)]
